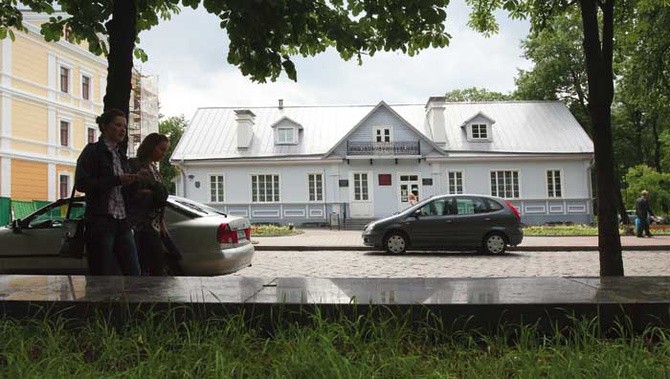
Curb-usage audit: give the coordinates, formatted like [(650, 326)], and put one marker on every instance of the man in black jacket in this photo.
[(103, 174), (643, 212)]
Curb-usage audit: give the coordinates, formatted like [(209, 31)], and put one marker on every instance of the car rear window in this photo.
[(197, 208), (493, 205)]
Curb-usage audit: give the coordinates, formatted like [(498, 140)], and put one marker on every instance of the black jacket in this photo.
[(95, 177), (642, 208)]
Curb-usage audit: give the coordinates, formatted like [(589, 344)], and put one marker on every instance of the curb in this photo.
[(511, 248)]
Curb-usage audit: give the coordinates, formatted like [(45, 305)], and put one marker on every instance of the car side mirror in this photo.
[(417, 213), (16, 226)]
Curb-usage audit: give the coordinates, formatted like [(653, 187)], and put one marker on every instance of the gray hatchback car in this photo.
[(449, 222)]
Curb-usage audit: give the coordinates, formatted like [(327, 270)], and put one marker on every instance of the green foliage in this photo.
[(172, 127), (475, 94), (264, 35), (641, 178), (559, 72)]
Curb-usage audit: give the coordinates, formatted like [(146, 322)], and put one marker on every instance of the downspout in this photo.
[(183, 178)]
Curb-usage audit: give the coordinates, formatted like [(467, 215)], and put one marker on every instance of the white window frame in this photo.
[(70, 68), (313, 194), (358, 194), (515, 192), (456, 185), (281, 138), (275, 196), (96, 133), (480, 127), (61, 120), (217, 197), (551, 187), (68, 190), (379, 132), (85, 74)]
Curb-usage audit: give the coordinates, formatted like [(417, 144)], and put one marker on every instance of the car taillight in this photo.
[(247, 232), (225, 235), (516, 211)]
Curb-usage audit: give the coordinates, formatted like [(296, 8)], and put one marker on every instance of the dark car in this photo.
[(449, 222)]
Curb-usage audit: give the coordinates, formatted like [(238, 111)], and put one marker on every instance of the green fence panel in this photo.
[(5, 211), (21, 209), (40, 203)]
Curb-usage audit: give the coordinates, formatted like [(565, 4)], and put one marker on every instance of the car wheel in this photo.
[(395, 243), (494, 243)]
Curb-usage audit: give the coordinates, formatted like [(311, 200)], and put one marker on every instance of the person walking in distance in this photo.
[(643, 212), (103, 174)]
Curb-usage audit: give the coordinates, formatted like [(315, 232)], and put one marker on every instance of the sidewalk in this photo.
[(326, 239)]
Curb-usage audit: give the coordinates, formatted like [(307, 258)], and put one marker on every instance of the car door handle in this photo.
[(487, 219), (448, 221)]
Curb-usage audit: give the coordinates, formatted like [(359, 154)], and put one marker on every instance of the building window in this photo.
[(64, 79), (90, 135), (264, 188), (64, 186), (216, 188), (285, 135), (85, 87), (383, 135), (64, 133), (505, 184), (479, 131), (554, 183), (455, 182), (315, 184), (361, 187)]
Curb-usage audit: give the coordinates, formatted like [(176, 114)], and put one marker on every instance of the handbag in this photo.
[(73, 240)]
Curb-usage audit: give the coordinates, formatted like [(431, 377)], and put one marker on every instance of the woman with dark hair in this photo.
[(103, 174), (148, 205)]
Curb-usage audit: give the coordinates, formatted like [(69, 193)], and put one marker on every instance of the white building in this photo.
[(302, 164)]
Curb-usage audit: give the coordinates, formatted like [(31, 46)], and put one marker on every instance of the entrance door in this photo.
[(361, 201), (407, 184)]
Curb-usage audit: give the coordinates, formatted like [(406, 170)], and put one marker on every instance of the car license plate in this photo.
[(241, 235)]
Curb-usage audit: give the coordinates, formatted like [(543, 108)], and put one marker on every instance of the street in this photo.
[(373, 264)]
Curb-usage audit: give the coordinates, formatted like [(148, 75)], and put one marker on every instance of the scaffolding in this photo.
[(143, 114)]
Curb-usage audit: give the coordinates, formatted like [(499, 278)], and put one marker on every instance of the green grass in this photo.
[(159, 346), (272, 231), (581, 230)]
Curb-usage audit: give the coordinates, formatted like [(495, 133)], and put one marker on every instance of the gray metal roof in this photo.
[(524, 127)]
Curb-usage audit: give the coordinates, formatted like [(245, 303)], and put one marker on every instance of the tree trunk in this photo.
[(122, 30), (601, 90)]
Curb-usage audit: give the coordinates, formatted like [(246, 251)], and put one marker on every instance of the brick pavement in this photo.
[(311, 254), (326, 239)]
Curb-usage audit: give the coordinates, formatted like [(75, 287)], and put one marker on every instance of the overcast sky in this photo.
[(188, 54)]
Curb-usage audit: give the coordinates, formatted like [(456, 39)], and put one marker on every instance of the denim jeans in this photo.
[(110, 247)]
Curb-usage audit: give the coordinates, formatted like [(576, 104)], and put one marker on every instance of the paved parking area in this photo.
[(369, 264)]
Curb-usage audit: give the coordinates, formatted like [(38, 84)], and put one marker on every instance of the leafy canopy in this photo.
[(264, 34)]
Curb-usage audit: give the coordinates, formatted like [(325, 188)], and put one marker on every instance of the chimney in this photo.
[(435, 118), (245, 127), (281, 104)]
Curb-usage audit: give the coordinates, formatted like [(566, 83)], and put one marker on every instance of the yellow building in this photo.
[(50, 94)]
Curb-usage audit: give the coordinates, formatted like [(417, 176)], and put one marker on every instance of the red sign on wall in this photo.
[(384, 179)]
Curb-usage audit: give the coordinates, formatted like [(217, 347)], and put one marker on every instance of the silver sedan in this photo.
[(211, 242)]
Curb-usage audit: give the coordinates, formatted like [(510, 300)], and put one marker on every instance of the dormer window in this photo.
[(478, 128), (286, 131), (480, 131), (285, 135)]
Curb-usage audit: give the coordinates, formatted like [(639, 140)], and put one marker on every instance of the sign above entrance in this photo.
[(427, 181)]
